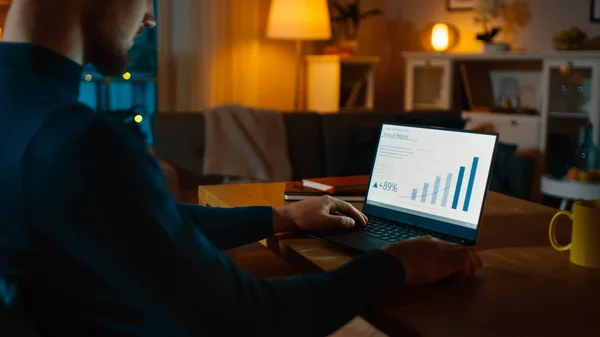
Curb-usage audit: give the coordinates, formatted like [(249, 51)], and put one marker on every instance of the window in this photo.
[(135, 90)]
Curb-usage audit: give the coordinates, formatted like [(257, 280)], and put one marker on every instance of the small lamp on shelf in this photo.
[(299, 20), (440, 37)]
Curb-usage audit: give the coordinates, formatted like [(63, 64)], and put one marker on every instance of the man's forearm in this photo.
[(234, 227)]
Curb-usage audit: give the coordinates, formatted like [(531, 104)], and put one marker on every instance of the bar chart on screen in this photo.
[(439, 193)]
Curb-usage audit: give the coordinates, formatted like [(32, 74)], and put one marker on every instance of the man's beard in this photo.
[(106, 55), (110, 63)]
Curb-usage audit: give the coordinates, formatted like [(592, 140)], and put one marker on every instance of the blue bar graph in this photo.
[(436, 189), (471, 183), (461, 174), (424, 193), (447, 189)]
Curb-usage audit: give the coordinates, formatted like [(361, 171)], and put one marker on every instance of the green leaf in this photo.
[(372, 12), (340, 9), (494, 32), (354, 13)]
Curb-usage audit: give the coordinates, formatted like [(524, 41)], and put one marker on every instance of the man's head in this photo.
[(88, 31), (109, 28)]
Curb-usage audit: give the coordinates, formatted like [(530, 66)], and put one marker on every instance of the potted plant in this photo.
[(487, 11), (350, 17)]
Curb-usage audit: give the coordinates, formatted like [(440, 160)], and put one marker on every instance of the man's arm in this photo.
[(230, 227), (124, 232)]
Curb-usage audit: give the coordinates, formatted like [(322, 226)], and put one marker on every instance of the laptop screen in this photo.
[(431, 177)]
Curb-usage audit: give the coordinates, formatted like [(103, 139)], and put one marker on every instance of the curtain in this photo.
[(209, 53)]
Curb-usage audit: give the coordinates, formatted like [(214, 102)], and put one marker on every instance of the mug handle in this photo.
[(552, 231)]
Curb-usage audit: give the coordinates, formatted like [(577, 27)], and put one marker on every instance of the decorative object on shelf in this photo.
[(516, 91), (441, 37), (571, 39), (594, 10), (460, 5), (487, 11), (350, 17), (586, 156), (587, 176), (299, 20)]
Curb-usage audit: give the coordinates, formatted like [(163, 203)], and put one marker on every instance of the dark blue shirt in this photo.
[(93, 244)]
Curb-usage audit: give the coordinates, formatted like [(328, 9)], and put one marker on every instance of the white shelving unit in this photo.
[(335, 83), (522, 130), (568, 92)]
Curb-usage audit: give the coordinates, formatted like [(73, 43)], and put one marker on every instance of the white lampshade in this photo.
[(299, 20)]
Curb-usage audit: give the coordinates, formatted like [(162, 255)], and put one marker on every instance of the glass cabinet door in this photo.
[(428, 84), (570, 88)]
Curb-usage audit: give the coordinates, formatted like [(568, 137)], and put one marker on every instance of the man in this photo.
[(94, 245)]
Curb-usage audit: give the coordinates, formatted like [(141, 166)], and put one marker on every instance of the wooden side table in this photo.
[(569, 190), (339, 84)]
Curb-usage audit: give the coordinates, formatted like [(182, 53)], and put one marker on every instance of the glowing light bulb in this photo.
[(127, 76), (138, 118), (88, 77), (440, 37)]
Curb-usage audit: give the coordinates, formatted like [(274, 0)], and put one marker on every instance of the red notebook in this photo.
[(337, 184), (294, 191)]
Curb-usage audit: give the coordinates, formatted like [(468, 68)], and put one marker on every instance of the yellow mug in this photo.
[(585, 235)]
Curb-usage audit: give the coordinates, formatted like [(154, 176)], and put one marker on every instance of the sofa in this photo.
[(318, 144)]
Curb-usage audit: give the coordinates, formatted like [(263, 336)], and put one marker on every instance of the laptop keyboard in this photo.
[(392, 231)]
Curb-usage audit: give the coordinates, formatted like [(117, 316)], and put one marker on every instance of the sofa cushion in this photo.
[(350, 141), (305, 144), (179, 139), (512, 174), (447, 118)]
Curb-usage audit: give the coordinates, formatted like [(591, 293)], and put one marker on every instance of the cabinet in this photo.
[(428, 84), (335, 83), (571, 87), (524, 131), (562, 88)]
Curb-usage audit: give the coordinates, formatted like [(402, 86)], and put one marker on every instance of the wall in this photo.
[(277, 67), (217, 52), (400, 31)]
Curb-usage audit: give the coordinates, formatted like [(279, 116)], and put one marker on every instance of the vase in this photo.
[(495, 47)]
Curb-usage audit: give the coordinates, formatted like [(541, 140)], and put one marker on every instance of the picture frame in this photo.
[(461, 5), (521, 89), (594, 10)]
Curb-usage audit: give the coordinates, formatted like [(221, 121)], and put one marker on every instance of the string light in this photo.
[(127, 76), (138, 118), (88, 77)]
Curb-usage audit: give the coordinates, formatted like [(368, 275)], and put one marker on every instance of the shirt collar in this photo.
[(42, 62)]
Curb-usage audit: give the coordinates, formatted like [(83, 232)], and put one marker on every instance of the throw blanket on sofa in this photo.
[(246, 143)]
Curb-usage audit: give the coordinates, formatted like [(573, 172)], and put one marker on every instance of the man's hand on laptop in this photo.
[(428, 260), (317, 214)]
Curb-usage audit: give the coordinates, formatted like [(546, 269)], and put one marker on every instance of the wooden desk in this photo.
[(524, 289)]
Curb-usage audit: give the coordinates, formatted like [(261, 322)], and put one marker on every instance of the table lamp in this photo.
[(299, 20), (440, 37)]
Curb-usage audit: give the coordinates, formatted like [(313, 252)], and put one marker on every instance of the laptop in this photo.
[(424, 181)]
